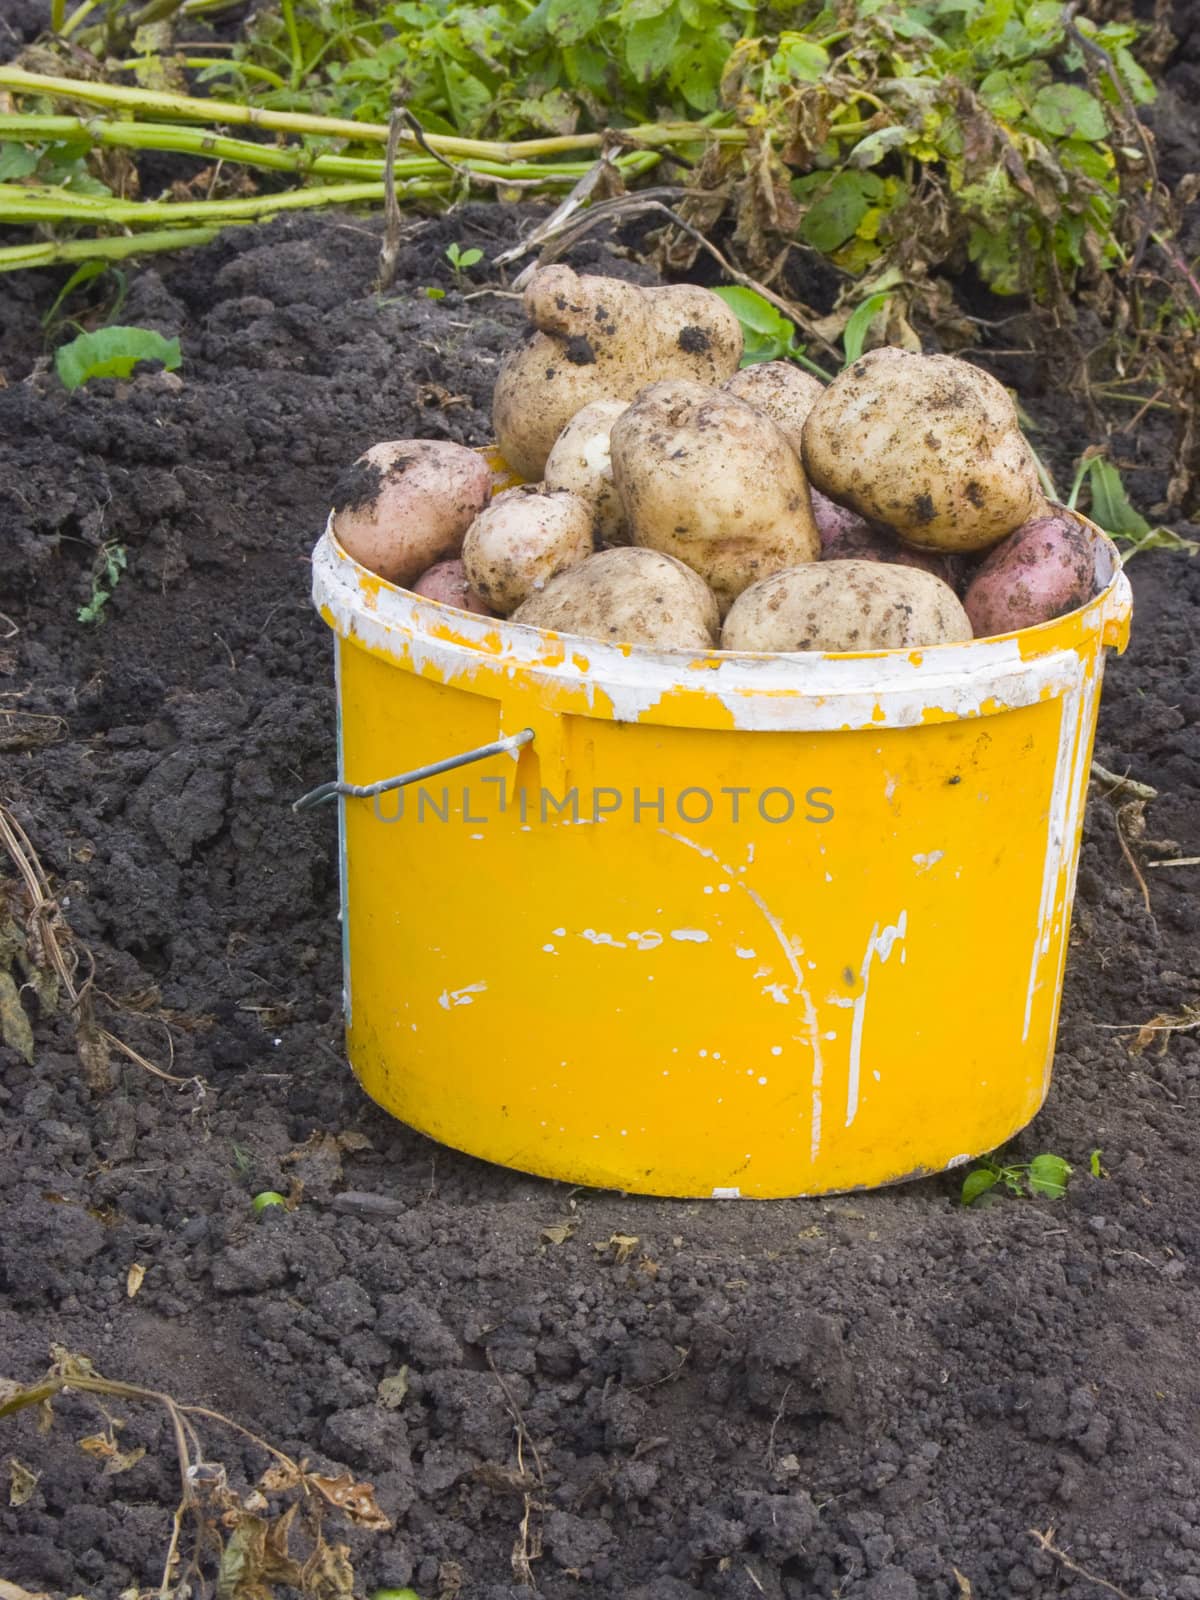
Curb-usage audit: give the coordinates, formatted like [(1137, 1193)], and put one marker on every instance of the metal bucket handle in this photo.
[(363, 791)]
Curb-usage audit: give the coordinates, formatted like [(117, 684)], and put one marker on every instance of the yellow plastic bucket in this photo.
[(727, 926)]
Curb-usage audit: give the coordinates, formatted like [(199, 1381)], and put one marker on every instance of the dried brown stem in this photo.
[(1046, 1543)]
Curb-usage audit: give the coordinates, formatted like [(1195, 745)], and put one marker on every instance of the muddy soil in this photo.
[(863, 1397)]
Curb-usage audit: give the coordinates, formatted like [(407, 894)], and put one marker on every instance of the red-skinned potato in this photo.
[(929, 446), (406, 504), (833, 521), (706, 479), (517, 544), (447, 583), (1044, 570), (862, 542)]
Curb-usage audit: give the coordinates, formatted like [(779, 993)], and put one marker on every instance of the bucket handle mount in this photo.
[(361, 791)]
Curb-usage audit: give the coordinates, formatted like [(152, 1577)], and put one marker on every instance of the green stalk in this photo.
[(203, 143), (293, 33), (198, 63), (58, 13), (80, 14), (227, 111), (22, 203), (51, 252)]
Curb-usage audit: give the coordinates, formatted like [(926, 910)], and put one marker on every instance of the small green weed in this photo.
[(768, 334), (462, 260), (113, 353), (1046, 1177), (106, 574), (1113, 511)]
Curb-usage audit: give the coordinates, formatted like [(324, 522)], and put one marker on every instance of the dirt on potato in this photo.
[(861, 1397)]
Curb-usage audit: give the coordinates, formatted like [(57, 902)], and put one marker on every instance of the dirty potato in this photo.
[(706, 479), (1044, 570), (780, 390), (845, 605), (517, 544), (447, 583), (581, 462), (406, 504), (628, 596), (927, 445), (597, 338)]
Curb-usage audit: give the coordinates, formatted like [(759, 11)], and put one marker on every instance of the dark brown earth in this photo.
[(851, 1397)]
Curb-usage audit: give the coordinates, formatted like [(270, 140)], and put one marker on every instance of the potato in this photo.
[(927, 445), (1042, 571), (600, 338), (704, 478), (628, 597), (406, 504), (699, 336), (447, 583), (581, 461), (859, 541), (833, 521), (845, 605), (780, 390), (521, 540)]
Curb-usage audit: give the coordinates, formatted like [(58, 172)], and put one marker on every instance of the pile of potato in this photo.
[(674, 501)]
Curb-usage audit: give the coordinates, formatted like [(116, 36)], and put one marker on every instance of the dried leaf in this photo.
[(279, 1477), (353, 1141), (255, 1558), (134, 1279), (67, 1364), (95, 1056), (964, 1584), (354, 1500), (327, 1574), (14, 1591), (22, 1481), (558, 1232), (393, 1389), (15, 1028), (621, 1244), (105, 1447)]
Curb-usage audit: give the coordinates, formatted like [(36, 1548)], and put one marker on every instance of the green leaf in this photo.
[(17, 161), (81, 275), (856, 330), (642, 10), (1111, 506), (696, 67), (1068, 112), (1094, 1163), (800, 59), (1137, 80), (569, 21), (1044, 22), (977, 1183), (755, 314), (1048, 1176), (872, 148), (113, 353), (832, 219), (649, 44), (990, 23)]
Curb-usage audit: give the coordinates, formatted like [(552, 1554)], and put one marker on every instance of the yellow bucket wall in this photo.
[(548, 968)]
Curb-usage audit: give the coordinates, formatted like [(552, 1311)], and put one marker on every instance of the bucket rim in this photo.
[(763, 690)]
